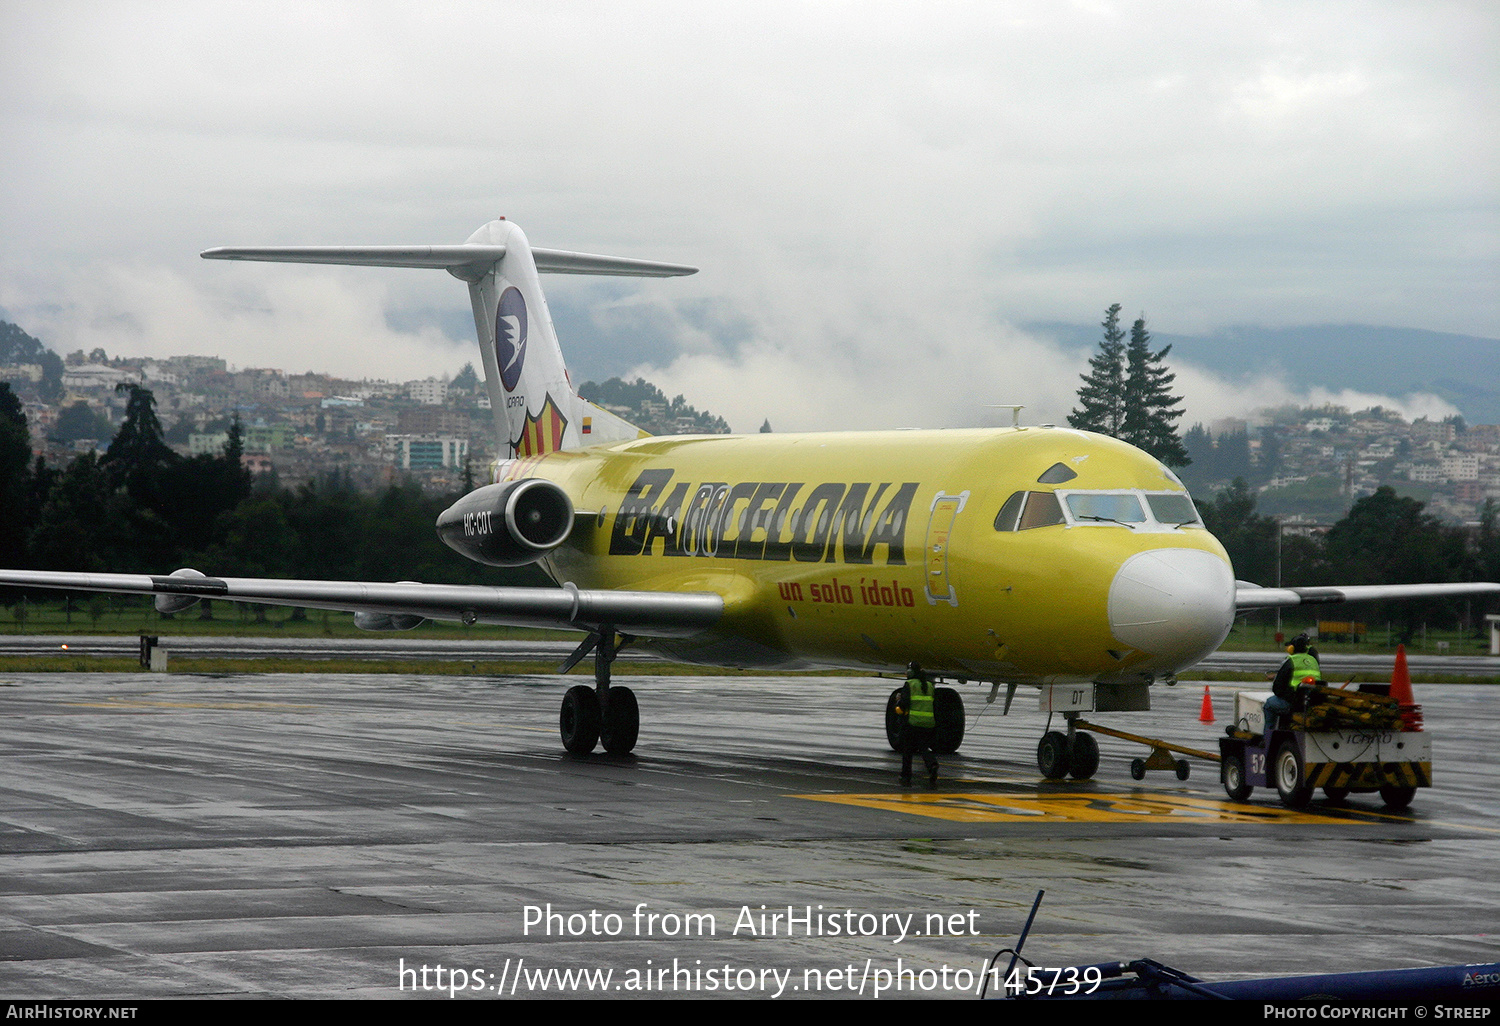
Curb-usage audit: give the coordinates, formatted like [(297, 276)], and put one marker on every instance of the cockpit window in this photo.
[(1116, 507), (1025, 510), (1006, 519), (1173, 508), (1058, 473), (1042, 510)]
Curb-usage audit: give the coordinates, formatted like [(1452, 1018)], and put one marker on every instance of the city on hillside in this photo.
[(1305, 465), (296, 427)]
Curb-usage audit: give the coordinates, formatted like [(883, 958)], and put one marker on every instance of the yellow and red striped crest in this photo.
[(543, 432)]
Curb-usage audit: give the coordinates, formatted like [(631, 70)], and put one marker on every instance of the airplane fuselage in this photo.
[(873, 549)]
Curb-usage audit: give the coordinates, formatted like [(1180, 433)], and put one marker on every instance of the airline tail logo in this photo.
[(510, 338), (543, 432)]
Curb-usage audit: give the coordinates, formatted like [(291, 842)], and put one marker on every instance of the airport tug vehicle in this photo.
[(1344, 741)]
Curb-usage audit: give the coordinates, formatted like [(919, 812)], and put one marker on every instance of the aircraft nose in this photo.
[(1176, 604)]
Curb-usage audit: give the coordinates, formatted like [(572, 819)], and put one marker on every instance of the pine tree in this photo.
[(139, 440), (15, 479), (138, 457), (1150, 408), (466, 380), (234, 444), (1200, 448), (1101, 399)]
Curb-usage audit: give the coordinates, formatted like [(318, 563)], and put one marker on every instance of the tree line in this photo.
[(143, 508), (1384, 539)]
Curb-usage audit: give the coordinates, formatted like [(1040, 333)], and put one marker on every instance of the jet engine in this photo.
[(508, 524)]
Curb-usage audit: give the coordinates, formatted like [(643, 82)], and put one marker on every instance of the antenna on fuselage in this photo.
[(1015, 411)]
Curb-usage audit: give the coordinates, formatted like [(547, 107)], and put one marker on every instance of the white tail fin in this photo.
[(535, 406)]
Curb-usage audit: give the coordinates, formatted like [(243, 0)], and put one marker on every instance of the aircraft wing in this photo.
[(644, 613), (1252, 596)]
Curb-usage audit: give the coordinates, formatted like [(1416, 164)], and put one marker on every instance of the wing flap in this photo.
[(1250, 596), (646, 613)]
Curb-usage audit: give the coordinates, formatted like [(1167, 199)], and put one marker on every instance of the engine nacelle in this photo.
[(508, 524), (176, 602), (387, 622)]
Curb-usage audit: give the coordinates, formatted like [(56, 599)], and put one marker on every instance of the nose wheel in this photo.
[(1059, 755)]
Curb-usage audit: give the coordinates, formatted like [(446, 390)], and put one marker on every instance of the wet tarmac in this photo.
[(315, 835), (1339, 665)]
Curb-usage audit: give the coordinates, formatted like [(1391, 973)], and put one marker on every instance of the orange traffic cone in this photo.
[(1207, 715), (1411, 712)]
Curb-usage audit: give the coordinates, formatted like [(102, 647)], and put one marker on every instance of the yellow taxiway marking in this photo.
[(1084, 808)]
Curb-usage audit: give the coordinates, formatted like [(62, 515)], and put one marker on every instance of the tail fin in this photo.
[(535, 406)]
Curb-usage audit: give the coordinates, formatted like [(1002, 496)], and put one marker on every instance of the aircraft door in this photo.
[(945, 510)]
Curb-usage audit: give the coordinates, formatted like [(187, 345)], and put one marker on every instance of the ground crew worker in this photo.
[(1301, 665), (916, 707)]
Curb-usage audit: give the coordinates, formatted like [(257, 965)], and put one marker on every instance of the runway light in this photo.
[(65, 646)]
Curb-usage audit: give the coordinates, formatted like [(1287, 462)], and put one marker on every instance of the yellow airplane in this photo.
[(1037, 556)]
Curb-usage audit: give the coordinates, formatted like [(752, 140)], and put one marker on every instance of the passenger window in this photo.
[(1006, 519), (1057, 474), (1042, 510)]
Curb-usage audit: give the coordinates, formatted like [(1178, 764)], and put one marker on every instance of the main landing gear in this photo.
[(601, 713), (1075, 754), (947, 712)]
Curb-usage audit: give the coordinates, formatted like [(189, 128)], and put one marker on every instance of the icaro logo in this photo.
[(510, 337)]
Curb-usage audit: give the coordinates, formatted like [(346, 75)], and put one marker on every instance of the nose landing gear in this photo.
[(1074, 754)]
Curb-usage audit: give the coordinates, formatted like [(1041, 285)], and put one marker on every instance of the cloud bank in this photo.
[(876, 193)]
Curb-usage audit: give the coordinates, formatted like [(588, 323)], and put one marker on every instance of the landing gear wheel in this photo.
[(1053, 755), (1294, 790), (895, 725), (1335, 794), (1084, 756), (1137, 769), (1234, 779), (621, 723), (579, 721), (1397, 797), (948, 712), (1183, 769)]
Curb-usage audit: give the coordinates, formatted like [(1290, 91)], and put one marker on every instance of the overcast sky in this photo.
[(876, 193)]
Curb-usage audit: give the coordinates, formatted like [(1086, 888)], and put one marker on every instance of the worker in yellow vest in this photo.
[(916, 707), (1301, 666)]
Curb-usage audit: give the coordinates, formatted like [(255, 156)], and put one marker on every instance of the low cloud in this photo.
[(293, 321)]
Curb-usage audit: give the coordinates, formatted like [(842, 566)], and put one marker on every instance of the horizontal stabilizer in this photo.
[(560, 261), (440, 257), (468, 257)]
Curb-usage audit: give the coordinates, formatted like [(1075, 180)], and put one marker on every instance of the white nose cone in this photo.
[(1175, 604)]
